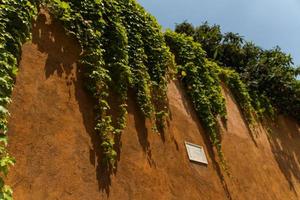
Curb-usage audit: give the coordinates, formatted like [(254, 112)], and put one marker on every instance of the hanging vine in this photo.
[(201, 81), (269, 74), (123, 48), (240, 92)]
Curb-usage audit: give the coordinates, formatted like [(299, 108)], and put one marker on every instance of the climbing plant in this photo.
[(202, 83), (202, 80), (269, 75), (240, 92), (123, 49), (15, 29)]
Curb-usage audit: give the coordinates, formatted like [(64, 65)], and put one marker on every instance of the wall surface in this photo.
[(264, 164), (51, 136)]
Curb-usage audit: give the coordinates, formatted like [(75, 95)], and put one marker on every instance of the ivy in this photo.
[(202, 81), (240, 92), (269, 75), (123, 49), (200, 78), (15, 29)]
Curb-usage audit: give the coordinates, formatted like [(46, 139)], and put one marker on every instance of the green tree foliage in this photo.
[(268, 74), (185, 28)]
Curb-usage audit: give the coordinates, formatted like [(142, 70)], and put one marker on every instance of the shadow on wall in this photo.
[(229, 95), (284, 139), (63, 52), (211, 151)]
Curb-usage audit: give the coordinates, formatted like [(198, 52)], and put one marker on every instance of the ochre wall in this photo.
[(263, 164), (51, 136)]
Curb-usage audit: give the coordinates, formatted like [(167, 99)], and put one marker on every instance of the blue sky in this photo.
[(266, 22)]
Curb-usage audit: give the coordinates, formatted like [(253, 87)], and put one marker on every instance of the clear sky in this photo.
[(265, 22)]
